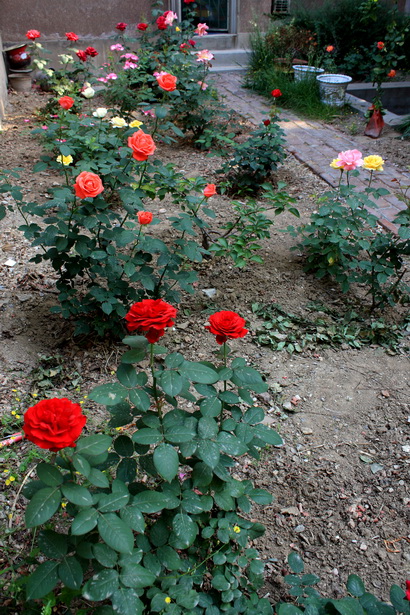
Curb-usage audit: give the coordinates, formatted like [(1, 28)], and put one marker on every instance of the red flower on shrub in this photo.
[(66, 102), (392, 73), (142, 145), (142, 26), (151, 317), (161, 23), (144, 217), (276, 93), (81, 55), (266, 122), (329, 48), (191, 42), (407, 590), (209, 190), (88, 185), (32, 34), (90, 51), (71, 36), (54, 423), (121, 26), (189, 1), (167, 82), (226, 325), (380, 45)]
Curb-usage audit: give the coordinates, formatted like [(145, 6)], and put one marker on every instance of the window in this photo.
[(215, 13)]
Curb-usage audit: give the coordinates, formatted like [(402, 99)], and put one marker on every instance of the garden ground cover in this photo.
[(341, 480)]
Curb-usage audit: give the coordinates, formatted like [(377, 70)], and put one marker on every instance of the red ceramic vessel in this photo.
[(17, 57)]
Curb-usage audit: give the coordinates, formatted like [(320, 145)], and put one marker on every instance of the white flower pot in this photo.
[(306, 72), (333, 88)]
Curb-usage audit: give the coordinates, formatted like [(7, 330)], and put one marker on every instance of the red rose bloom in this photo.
[(82, 55), (161, 23), (209, 190), (167, 82), (407, 597), (226, 325), (329, 48), (145, 217), (191, 42), (32, 34), (151, 317), (88, 185), (380, 45), (276, 93), (66, 102), (266, 122), (54, 423), (121, 26), (142, 145), (71, 36), (189, 1), (90, 51), (142, 26), (392, 73)]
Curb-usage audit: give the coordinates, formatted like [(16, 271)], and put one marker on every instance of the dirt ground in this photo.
[(340, 482)]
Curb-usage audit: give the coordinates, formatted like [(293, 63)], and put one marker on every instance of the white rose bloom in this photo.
[(88, 92), (100, 112)]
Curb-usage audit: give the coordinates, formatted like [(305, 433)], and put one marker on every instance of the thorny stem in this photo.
[(154, 381), (139, 186)]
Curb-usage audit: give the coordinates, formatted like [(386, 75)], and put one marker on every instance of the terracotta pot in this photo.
[(20, 82), (375, 124), (17, 57)]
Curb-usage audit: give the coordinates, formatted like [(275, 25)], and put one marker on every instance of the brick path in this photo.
[(316, 144)]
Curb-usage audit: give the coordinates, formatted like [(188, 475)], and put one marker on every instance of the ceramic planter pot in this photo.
[(17, 57), (306, 72), (20, 82), (332, 88)]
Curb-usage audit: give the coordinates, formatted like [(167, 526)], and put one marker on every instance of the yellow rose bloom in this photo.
[(177, 29), (335, 164), (65, 160), (118, 122), (373, 163), (135, 124)]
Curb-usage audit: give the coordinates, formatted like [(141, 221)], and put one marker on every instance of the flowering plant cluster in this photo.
[(140, 546), (343, 239)]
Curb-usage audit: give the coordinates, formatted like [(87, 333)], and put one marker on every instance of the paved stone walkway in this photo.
[(316, 144)]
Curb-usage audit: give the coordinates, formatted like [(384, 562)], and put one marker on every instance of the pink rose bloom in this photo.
[(201, 29), (203, 85), (204, 56), (350, 159), (117, 47), (102, 79), (170, 17), (111, 76), (128, 64), (130, 56)]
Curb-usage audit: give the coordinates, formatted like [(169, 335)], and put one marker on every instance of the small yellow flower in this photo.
[(135, 124), (177, 29), (13, 412), (373, 163), (335, 164), (6, 471), (17, 399), (34, 395), (237, 529), (63, 504), (168, 600), (331, 260), (65, 160), (18, 416), (14, 390), (118, 122), (12, 478), (10, 515), (85, 396), (81, 402)]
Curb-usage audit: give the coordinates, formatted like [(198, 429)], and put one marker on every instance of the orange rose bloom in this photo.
[(144, 217), (209, 190), (88, 185), (142, 145), (329, 48), (392, 73), (66, 102), (167, 82)]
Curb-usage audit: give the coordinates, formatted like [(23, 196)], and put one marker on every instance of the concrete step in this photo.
[(229, 59)]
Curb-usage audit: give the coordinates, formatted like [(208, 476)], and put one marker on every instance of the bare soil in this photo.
[(341, 479)]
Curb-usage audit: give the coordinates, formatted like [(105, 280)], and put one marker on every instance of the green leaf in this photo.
[(136, 575), (127, 375), (52, 544), (207, 428), (348, 606), (179, 434), (355, 585), (84, 522), (184, 528), (173, 360), (166, 461), (260, 496), (155, 501), (42, 506), (171, 382), (126, 601), (197, 372), (77, 494), (140, 399), (268, 435), (230, 444), (133, 517), (220, 583), (101, 586), (211, 406), (81, 464), (109, 394), (115, 533), (289, 609), (208, 451), (169, 558), (253, 416), (123, 446), (247, 378), (42, 581), (98, 478), (49, 475), (94, 445), (295, 562), (135, 341), (398, 598), (71, 573), (134, 356), (147, 436), (109, 502), (104, 555)]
